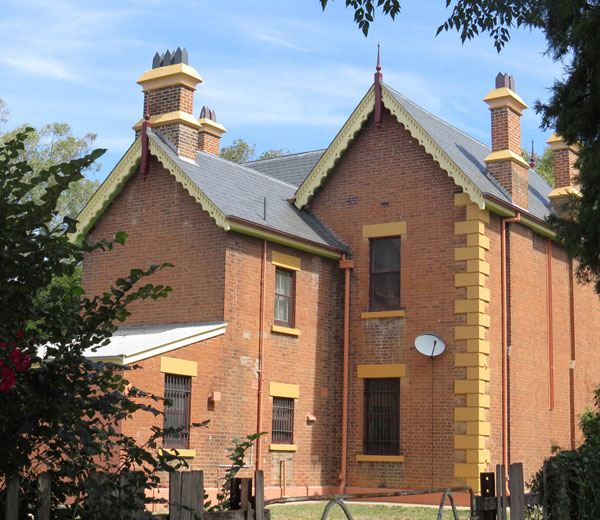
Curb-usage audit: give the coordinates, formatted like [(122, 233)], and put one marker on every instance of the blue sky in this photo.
[(280, 74)]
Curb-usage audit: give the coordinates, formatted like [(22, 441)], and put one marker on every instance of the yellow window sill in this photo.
[(382, 314), (380, 458), (283, 447), (181, 452), (285, 330)]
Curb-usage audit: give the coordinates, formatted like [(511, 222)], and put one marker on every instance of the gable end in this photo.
[(335, 150)]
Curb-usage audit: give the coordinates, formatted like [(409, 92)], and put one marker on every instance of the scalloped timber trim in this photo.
[(335, 150)]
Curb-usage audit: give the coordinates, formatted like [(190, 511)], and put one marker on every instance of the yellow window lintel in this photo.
[(388, 229), (286, 261), (381, 371), (180, 367), (284, 390)]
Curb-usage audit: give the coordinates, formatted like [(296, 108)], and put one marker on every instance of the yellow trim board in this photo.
[(211, 127), (169, 76), (388, 229), (283, 447), (180, 367), (371, 315), (558, 143), (564, 191), (505, 97), (380, 371), (169, 118), (285, 330), (286, 261), (284, 390), (181, 452), (506, 155), (379, 458)]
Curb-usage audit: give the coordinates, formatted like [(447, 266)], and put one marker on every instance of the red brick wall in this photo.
[(534, 428), (506, 130), (217, 277), (165, 224), (386, 176)]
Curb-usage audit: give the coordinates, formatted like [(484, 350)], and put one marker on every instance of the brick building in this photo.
[(301, 282)]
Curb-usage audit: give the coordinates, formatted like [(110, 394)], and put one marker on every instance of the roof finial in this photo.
[(145, 155), (377, 85), (532, 160)]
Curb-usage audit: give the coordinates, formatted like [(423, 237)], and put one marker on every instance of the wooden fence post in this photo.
[(240, 493), (43, 506), (488, 489), (501, 491), (12, 499), (259, 495), (517, 493), (186, 495)]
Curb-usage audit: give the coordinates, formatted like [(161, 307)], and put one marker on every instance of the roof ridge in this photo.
[(437, 117), (283, 156)]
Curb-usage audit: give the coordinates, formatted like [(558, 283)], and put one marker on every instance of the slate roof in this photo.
[(292, 168), (469, 155), (240, 192)]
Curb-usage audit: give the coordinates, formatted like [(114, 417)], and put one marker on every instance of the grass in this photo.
[(360, 512)]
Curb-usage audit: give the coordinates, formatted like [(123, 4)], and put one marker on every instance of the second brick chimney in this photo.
[(565, 172), (505, 163), (169, 95)]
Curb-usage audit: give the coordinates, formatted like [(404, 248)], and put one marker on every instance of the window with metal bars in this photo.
[(384, 280), (284, 297), (282, 431), (178, 391), (382, 417)]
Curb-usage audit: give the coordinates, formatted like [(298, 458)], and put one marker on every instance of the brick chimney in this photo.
[(565, 173), (209, 135), (505, 163), (169, 93)]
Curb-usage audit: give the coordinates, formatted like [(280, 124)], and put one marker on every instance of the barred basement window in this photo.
[(382, 417), (178, 390), (282, 431)]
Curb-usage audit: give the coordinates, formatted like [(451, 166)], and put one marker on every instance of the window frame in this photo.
[(182, 440), (373, 274), (291, 297), (281, 436), (390, 445)]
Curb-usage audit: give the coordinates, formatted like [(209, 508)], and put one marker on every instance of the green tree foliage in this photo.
[(50, 145), (58, 410), (242, 151), (570, 487), (544, 164), (571, 31)]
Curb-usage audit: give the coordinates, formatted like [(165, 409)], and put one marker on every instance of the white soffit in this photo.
[(129, 345)]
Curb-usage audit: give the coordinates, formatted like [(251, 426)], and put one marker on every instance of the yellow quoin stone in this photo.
[(472, 347)]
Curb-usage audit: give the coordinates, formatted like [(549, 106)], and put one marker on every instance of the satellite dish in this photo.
[(429, 345)]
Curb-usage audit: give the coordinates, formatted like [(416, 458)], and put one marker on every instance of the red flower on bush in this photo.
[(7, 377), (20, 362)]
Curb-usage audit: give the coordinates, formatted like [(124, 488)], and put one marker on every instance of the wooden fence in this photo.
[(186, 499), (494, 501)]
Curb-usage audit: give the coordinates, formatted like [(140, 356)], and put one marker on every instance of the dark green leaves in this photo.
[(364, 11)]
